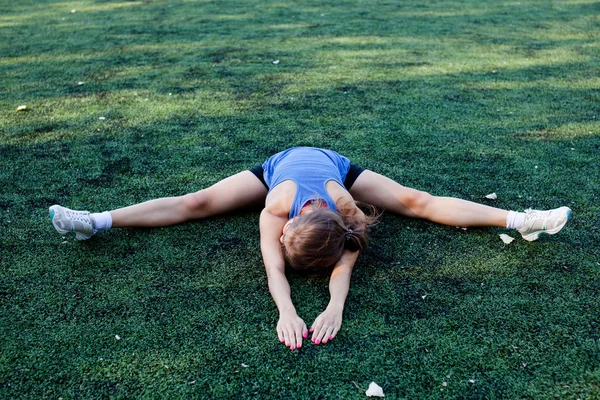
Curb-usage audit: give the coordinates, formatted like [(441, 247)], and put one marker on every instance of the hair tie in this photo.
[(348, 233)]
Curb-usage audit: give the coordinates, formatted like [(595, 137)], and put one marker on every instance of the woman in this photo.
[(310, 219)]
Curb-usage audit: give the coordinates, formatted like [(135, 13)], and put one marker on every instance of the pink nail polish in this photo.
[(330, 337), (317, 341), (310, 330), (305, 336), (292, 348)]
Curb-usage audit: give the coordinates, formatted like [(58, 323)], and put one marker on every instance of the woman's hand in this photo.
[(291, 329), (327, 325)]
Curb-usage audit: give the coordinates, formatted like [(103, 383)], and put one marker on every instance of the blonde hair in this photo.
[(315, 241)]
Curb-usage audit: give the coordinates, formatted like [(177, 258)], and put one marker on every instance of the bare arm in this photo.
[(290, 327), (327, 325)]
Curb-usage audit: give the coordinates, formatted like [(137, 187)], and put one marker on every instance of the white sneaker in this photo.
[(66, 220), (538, 222)]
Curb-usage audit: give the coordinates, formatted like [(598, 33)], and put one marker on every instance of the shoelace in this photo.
[(531, 214), (78, 216)]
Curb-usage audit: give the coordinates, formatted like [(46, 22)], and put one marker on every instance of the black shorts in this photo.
[(351, 176)]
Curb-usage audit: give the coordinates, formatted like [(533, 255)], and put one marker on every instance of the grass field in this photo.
[(132, 100)]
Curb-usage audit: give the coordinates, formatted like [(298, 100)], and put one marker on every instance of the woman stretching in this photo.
[(310, 220)]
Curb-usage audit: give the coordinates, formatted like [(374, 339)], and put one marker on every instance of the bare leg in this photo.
[(376, 189), (236, 192)]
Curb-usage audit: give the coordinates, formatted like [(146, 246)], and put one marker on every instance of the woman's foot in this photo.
[(66, 220), (538, 222)]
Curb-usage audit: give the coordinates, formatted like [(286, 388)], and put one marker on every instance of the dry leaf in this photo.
[(22, 108), (491, 196), (374, 390), (506, 239)]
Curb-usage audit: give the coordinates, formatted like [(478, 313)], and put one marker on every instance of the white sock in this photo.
[(101, 220), (515, 220)]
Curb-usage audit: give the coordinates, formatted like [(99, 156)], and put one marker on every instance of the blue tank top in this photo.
[(310, 169)]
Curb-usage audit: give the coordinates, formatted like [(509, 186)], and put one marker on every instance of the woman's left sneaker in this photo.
[(78, 222), (538, 222)]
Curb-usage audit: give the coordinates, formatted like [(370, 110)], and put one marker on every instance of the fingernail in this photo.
[(300, 345), (305, 336), (310, 330), (281, 339), (330, 337), (312, 340), (317, 341), (292, 348)]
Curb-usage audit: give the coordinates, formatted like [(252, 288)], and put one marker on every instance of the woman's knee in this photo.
[(197, 202), (418, 201)]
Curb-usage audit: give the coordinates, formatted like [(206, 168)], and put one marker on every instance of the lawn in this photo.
[(132, 100)]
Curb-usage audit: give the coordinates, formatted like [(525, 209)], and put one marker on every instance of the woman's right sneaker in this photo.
[(78, 222), (538, 222)]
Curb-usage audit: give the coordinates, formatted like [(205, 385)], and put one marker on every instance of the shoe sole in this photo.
[(78, 235), (536, 235)]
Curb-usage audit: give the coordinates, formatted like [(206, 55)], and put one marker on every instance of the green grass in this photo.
[(459, 98)]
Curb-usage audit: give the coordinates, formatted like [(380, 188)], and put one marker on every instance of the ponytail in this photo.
[(357, 224)]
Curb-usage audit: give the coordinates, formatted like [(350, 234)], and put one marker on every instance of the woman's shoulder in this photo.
[(338, 193), (280, 198)]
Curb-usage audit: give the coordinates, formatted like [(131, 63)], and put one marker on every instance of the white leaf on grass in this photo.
[(102, 118), (244, 365), (491, 196), (73, 11), (22, 108), (80, 83), (276, 62), (374, 390), (424, 297), (506, 239), (471, 381), (117, 337)]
